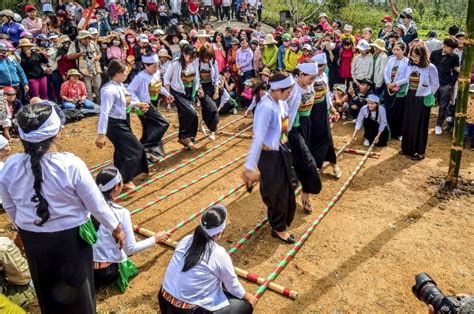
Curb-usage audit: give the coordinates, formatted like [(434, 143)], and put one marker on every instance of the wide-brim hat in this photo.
[(83, 34), (25, 42), (164, 53), (73, 72), (202, 33), (380, 44), (266, 71), (269, 40), (322, 14), (9, 13)]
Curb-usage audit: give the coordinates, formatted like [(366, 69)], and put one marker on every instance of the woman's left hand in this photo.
[(200, 93), (216, 96)]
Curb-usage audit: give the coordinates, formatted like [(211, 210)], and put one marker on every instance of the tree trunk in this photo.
[(462, 101)]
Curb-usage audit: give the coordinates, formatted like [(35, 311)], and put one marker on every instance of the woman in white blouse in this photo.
[(49, 196), (422, 79), (110, 262), (269, 159), (182, 80), (394, 97), (200, 277)]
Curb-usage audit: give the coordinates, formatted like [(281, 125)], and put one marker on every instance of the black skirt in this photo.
[(154, 127), (321, 145), (416, 120), (129, 155), (187, 117), (371, 129), (106, 276), (394, 106), (277, 186), (303, 162), (61, 268), (210, 115)]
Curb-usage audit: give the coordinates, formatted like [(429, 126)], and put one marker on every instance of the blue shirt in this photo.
[(13, 29), (11, 73), (281, 57)]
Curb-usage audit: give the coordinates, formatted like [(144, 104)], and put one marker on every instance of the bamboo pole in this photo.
[(360, 152), (292, 252), (240, 272), (249, 137), (182, 165), (462, 101), (89, 14), (247, 237), (187, 185)]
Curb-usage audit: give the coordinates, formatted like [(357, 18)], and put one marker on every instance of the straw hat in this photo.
[(25, 42), (323, 15), (7, 13), (83, 34), (65, 39), (202, 33), (266, 71), (164, 53), (379, 43), (269, 40), (73, 72)]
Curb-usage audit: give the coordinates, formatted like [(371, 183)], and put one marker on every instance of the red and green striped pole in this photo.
[(291, 253), (185, 186), (247, 237), (173, 170)]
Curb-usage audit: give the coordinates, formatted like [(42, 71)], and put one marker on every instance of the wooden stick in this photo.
[(360, 152), (240, 272)]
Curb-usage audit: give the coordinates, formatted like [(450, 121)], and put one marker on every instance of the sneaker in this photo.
[(234, 111), (212, 136), (438, 130), (366, 142)]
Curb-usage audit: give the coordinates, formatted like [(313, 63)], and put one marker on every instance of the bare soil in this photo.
[(392, 223)]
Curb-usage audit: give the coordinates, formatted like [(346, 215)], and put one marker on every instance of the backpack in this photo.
[(73, 115)]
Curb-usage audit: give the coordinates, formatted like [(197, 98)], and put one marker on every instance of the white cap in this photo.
[(363, 45), (183, 42), (143, 38), (158, 32), (93, 31), (307, 47)]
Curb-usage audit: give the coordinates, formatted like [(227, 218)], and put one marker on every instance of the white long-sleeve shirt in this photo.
[(429, 80), (106, 250), (173, 75), (139, 86), (364, 114), (67, 185), (112, 104), (214, 68), (401, 66), (362, 67), (202, 284), (379, 69), (267, 128)]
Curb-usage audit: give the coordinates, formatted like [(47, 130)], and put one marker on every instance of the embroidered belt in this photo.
[(101, 265), (176, 302)]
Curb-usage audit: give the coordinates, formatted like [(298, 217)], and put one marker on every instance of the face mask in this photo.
[(116, 42), (294, 48), (131, 39)]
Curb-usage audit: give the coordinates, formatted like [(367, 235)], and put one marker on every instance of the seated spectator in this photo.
[(358, 97), (9, 105), (74, 94), (340, 99)]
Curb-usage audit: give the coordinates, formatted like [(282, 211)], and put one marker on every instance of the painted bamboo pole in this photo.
[(247, 237), (182, 165), (187, 185), (108, 162), (249, 137), (360, 152), (240, 272), (292, 252)]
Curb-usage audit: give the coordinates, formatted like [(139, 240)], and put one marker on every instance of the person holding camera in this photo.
[(74, 95), (33, 59)]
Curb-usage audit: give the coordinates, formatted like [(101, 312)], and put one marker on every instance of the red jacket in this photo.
[(193, 7), (218, 3)]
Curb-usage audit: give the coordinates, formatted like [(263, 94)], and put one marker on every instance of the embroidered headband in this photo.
[(48, 129), (150, 59), (308, 68), (285, 83), (213, 231), (111, 184)]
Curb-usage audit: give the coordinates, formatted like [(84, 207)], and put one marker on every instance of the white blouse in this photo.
[(173, 75), (402, 65), (67, 185), (203, 284), (139, 86), (106, 250), (429, 80)]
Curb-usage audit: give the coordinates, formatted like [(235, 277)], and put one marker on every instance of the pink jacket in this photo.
[(114, 52)]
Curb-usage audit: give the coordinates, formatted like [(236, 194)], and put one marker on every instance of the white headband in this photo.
[(287, 82), (150, 59), (308, 68), (111, 184), (212, 232), (48, 129)]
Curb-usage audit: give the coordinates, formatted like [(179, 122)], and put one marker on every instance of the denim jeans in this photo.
[(87, 106)]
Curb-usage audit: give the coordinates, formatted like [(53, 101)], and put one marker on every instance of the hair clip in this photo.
[(35, 198)]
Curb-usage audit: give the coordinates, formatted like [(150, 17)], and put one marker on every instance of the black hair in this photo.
[(453, 30), (279, 76), (189, 50), (202, 244), (30, 118), (104, 177), (421, 52), (451, 42), (432, 34), (115, 67), (401, 44), (258, 86)]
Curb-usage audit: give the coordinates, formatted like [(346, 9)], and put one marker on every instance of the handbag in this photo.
[(429, 101), (402, 92)]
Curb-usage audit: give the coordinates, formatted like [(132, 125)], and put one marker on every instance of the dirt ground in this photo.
[(387, 227)]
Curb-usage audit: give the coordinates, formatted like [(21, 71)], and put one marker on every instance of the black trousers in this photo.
[(416, 121), (236, 306), (277, 186), (61, 268), (187, 117), (210, 115), (154, 127), (106, 276), (129, 153), (443, 96), (226, 12), (371, 129)]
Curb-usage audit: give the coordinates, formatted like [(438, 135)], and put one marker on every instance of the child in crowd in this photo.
[(373, 118), (347, 34), (9, 105), (111, 264), (259, 90), (358, 97), (340, 99)]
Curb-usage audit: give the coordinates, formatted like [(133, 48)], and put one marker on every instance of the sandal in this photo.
[(290, 240), (307, 207)]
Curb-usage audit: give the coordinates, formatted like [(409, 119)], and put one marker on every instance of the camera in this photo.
[(426, 290)]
